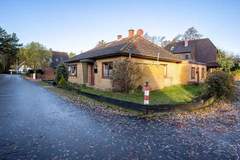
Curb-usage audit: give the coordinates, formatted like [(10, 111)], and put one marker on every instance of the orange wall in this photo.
[(152, 71)]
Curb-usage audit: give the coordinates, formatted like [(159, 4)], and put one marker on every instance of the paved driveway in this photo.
[(37, 124)]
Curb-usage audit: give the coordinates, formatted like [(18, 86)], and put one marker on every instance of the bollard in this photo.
[(34, 76), (146, 90)]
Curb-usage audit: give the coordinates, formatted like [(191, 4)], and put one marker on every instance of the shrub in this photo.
[(61, 72), (236, 75), (1, 68), (62, 83), (29, 73), (125, 74), (39, 71), (220, 85)]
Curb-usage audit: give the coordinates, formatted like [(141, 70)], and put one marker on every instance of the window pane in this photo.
[(193, 73), (107, 69)]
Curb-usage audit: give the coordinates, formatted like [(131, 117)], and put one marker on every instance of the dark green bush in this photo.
[(1, 68), (61, 72), (39, 71), (62, 83), (220, 85), (29, 73)]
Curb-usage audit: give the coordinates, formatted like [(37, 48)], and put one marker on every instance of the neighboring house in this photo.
[(57, 58), (159, 67), (200, 50), (22, 68)]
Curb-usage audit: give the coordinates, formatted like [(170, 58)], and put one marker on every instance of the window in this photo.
[(186, 56), (193, 72), (107, 70), (72, 70), (203, 73), (164, 70)]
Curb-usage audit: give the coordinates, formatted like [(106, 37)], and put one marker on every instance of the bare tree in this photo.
[(161, 40), (191, 34), (158, 40), (101, 43), (125, 75)]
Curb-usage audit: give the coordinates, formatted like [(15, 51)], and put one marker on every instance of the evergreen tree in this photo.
[(9, 47), (62, 71)]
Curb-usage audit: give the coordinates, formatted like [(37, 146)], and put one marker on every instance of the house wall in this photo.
[(186, 69), (48, 74), (201, 79), (100, 82), (183, 56), (152, 71), (78, 79)]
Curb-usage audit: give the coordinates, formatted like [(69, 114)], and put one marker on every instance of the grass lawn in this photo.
[(169, 95)]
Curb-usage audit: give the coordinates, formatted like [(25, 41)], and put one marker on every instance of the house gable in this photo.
[(202, 50)]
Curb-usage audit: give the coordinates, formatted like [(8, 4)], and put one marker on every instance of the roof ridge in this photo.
[(106, 45), (192, 40), (58, 51)]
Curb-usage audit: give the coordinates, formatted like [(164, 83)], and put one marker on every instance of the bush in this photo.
[(125, 75), (1, 68), (220, 85), (61, 72), (39, 71), (29, 73), (236, 75), (62, 83)]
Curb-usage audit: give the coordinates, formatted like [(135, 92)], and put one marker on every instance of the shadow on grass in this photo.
[(178, 94)]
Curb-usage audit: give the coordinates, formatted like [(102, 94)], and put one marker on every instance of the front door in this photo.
[(90, 74)]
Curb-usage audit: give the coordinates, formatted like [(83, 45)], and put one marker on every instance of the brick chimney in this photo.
[(130, 33), (140, 32), (119, 37), (185, 43)]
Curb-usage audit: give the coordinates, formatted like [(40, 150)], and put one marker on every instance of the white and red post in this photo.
[(146, 90)]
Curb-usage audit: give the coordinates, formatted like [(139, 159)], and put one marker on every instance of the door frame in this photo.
[(92, 76)]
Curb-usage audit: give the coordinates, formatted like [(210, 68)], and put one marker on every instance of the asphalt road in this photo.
[(37, 124)]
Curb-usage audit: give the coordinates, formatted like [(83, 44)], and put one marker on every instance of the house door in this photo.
[(90, 74)]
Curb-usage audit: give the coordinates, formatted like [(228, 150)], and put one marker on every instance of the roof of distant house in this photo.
[(58, 57), (203, 50), (135, 46)]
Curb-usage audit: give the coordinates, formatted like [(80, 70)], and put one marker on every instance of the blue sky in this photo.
[(71, 25)]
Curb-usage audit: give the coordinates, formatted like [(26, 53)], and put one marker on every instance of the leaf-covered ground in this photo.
[(38, 124)]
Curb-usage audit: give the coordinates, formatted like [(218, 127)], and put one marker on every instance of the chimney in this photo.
[(130, 33), (185, 43), (140, 32), (119, 37)]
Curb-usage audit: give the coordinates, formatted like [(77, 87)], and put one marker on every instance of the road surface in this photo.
[(37, 124)]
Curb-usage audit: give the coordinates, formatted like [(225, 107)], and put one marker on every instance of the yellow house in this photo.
[(159, 67)]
